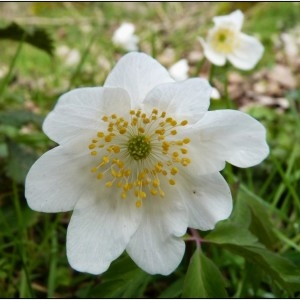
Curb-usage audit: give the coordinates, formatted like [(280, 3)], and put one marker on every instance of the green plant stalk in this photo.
[(153, 44), (285, 175), (83, 58), (20, 241), (53, 265), (7, 78), (250, 179), (211, 74), (288, 242), (267, 183)]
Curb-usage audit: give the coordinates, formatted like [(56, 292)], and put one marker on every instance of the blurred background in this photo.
[(48, 48)]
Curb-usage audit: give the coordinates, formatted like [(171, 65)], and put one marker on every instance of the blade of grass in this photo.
[(12, 65), (82, 60), (21, 242), (53, 265), (287, 242), (285, 175)]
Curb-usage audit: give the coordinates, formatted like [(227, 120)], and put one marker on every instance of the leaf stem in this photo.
[(195, 237)]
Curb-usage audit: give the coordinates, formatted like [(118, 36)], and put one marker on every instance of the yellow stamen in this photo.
[(137, 150)]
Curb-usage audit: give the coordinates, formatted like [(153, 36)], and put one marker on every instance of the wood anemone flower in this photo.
[(138, 162)]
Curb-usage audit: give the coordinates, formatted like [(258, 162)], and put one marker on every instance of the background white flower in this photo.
[(215, 94), (226, 41), (138, 162), (124, 37), (179, 70), (70, 57)]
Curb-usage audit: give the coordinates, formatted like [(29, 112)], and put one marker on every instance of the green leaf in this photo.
[(20, 159), (17, 118), (231, 233), (174, 290), (122, 280), (203, 279), (29, 218), (34, 36), (279, 268), (244, 243), (261, 224), (241, 214)]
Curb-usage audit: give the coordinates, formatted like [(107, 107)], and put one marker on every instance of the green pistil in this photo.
[(138, 147), (222, 37)]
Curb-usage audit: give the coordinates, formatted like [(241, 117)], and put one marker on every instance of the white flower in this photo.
[(179, 71), (226, 41), (124, 37), (70, 56), (138, 162), (215, 94)]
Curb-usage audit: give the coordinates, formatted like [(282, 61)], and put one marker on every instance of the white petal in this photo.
[(214, 57), (249, 52), (56, 180), (100, 228), (123, 33), (204, 157), (232, 136), (179, 71), (187, 99), (138, 74), (208, 199), (124, 37), (236, 18), (132, 44), (215, 94), (79, 112), (155, 246)]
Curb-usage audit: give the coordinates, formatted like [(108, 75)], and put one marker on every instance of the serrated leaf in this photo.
[(203, 279), (244, 243), (35, 36), (241, 214), (261, 224), (279, 268), (231, 233)]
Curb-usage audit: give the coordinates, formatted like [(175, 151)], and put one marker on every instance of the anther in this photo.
[(186, 140), (172, 181), (184, 122)]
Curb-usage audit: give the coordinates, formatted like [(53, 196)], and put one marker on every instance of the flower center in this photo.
[(223, 39), (139, 147), (139, 155)]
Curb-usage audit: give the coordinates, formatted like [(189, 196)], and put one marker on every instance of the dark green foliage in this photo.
[(203, 279), (253, 254), (34, 36)]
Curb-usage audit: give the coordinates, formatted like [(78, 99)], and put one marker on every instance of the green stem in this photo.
[(196, 237), (153, 44), (53, 265), (20, 241), (7, 78), (228, 101), (83, 58), (211, 74)]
